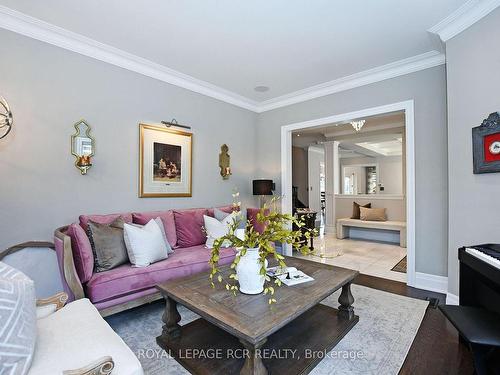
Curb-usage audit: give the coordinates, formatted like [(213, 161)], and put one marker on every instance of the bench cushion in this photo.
[(389, 225), (126, 279), (75, 336)]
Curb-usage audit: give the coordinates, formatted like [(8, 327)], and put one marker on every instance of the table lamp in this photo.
[(261, 188)]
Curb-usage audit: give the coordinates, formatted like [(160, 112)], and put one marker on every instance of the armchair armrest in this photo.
[(69, 276), (58, 299), (102, 366)]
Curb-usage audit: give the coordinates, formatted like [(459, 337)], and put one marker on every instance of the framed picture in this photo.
[(165, 162), (486, 145)]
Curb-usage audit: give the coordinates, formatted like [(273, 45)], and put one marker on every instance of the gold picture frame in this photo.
[(165, 162)]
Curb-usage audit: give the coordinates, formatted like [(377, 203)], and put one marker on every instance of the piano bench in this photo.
[(476, 325), (479, 327)]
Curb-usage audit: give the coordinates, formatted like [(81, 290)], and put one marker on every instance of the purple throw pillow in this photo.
[(252, 216), (188, 225), (82, 252)]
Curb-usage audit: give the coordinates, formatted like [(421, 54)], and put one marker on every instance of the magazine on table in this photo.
[(289, 275)]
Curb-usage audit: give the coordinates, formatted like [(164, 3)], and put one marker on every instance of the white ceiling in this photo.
[(380, 136), (288, 45)]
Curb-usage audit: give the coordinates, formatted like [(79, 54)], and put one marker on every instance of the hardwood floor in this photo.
[(436, 348)]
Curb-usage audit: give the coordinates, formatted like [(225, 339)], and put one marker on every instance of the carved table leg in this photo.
[(346, 311), (253, 362), (171, 318)]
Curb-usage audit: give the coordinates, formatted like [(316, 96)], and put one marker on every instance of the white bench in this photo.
[(344, 224)]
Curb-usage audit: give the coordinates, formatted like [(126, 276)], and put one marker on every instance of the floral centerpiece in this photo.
[(248, 270)]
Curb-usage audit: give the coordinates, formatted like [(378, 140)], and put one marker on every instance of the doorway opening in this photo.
[(373, 165)]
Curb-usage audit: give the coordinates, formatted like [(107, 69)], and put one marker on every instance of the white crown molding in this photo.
[(37, 29), (410, 65), (48, 33), (464, 17)]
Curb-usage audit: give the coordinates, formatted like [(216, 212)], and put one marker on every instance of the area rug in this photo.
[(378, 344), (400, 266)]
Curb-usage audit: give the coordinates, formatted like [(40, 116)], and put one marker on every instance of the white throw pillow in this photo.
[(144, 245), (216, 229), (17, 321), (159, 221)]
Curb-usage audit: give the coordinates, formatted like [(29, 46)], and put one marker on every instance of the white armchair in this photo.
[(75, 340)]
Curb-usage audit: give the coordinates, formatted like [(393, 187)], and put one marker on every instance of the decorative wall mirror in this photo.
[(82, 146)]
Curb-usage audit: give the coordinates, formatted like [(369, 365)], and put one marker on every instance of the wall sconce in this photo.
[(6, 118), (82, 146), (224, 162)]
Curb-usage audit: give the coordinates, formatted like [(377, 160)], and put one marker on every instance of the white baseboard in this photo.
[(430, 282), (451, 299)]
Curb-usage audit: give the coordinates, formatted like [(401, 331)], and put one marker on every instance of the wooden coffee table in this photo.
[(243, 334)]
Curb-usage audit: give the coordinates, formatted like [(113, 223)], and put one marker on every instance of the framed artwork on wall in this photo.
[(165, 162), (486, 145)]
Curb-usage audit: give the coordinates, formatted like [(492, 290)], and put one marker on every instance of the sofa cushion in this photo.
[(108, 244), (188, 225), (227, 209), (77, 335), (216, 228), (104, 219), (145, 244), (241, 217), (167, 217), (126, 279), (17, 321), (82, 252), (252, 217)]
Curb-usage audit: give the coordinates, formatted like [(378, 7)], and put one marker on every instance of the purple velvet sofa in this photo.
[(125, 286)]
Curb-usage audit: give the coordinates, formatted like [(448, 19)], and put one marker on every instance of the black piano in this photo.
[(480, 276), (477, 319)]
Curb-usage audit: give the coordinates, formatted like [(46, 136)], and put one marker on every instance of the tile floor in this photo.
[(370, 258)]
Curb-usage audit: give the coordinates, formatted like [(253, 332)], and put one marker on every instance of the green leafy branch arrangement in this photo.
[(277, 229)]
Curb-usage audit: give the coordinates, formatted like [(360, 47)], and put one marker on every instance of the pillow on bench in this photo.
[(373, 214), (355, 209)]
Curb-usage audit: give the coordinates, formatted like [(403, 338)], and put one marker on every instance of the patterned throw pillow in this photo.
[(17, 321)]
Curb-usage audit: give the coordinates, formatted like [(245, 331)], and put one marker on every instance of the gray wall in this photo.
[(49, 89), (428, 89), (473, 93)]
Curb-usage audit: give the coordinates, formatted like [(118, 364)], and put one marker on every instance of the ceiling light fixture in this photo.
[(261, 88), (357, 125)]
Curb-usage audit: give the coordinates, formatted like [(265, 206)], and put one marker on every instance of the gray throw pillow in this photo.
[(107, 244), (221, 215), (17, 321)]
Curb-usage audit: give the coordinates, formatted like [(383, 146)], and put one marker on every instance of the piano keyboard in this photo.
[(484, 257)]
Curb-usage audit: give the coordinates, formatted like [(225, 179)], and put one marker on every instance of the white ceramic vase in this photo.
[(248, 271)]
